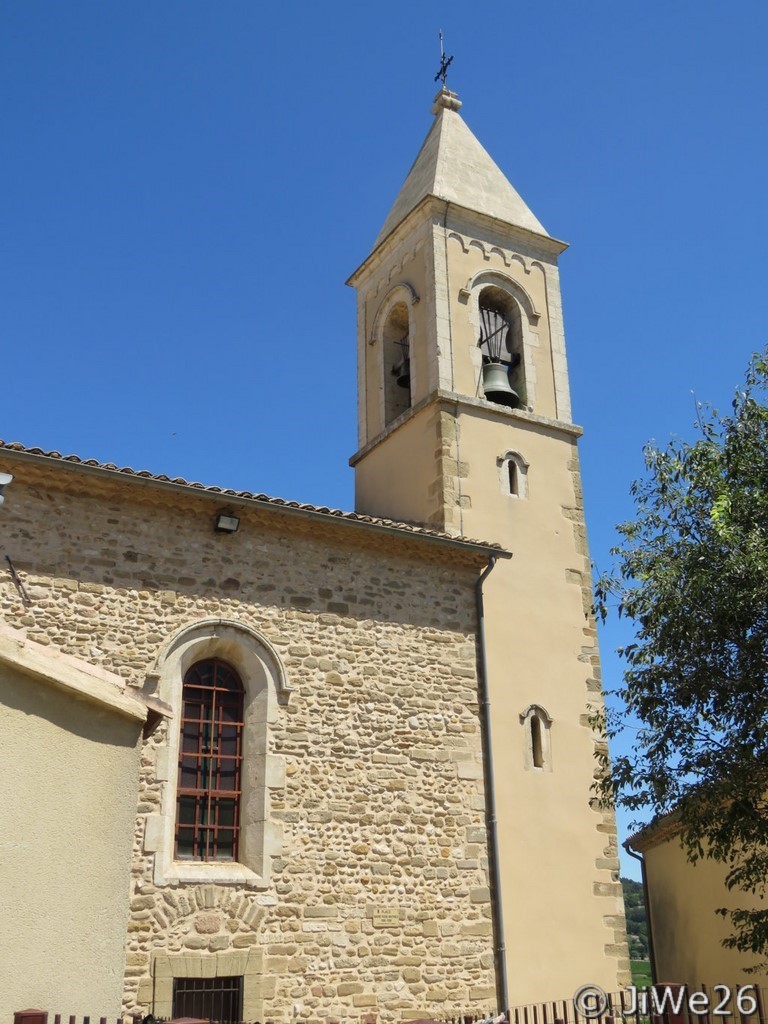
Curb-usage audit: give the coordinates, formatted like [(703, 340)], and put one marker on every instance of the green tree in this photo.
[(637, 924), (691, 572)]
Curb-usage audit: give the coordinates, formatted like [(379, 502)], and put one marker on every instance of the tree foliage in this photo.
[(691, 572), (637, 922)]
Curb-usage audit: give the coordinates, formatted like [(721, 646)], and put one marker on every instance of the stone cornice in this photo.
[(519, 415), (467, 403)]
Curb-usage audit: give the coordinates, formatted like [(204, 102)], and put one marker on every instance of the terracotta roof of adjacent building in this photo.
[(276, 503), (656, 831)]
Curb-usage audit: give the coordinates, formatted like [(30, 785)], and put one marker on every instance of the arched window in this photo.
[(501, 344), (538, 750), (513, 474), (210, 761), (397, 363)]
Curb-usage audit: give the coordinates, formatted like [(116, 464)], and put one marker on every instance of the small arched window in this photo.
[(538, 751), (513, 474), (397, 363), (210, 762), (501, 345)]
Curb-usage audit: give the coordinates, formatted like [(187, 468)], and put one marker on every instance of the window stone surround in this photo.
[(266, 689), (245, 963)]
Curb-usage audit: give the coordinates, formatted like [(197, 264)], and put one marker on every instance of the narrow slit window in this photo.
[(512, 470), (537, 752)]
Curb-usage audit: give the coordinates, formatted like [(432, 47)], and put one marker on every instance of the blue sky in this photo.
[(186, 186)]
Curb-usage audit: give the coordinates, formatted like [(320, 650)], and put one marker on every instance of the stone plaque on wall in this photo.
[(386, 917)]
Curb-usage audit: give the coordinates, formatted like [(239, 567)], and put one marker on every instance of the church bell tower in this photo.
[(465, 425)]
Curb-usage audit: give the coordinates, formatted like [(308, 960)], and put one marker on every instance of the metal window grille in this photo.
[(210, 760), (213, 999)]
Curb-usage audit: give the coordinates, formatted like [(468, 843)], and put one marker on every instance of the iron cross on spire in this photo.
[(445, 62)]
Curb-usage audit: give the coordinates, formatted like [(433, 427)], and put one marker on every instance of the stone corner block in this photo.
[(275, 772), (153, 832)]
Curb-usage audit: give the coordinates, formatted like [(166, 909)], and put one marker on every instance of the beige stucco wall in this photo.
[(374, 764), (687, 931), (410, 451), (70, 772), (559, 860)]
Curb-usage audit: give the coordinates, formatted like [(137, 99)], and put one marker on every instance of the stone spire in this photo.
[(452, 165)]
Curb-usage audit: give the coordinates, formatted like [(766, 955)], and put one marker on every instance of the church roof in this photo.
[(276, 503), (452, 165)]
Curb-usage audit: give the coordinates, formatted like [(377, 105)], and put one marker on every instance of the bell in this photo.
[(496, 386), (403, 373)]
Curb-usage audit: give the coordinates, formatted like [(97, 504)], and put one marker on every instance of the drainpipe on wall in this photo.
[(500, 949), (651, 950)]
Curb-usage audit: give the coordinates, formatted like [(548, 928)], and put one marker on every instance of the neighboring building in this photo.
[(69, 759), (316, 832), (685, 930)]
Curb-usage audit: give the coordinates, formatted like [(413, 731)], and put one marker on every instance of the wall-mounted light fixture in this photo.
[(226, 523), (5, 479)]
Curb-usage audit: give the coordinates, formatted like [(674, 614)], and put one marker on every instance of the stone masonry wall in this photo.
[(380, 803)]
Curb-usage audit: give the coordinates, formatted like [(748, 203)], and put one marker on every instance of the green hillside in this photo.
[(637, 924)]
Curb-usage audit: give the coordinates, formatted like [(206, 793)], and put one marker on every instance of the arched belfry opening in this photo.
[(501, 344), (397, 363)]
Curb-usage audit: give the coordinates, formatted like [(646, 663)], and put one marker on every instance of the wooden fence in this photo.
[(42, 1017)]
